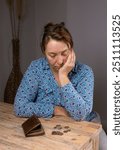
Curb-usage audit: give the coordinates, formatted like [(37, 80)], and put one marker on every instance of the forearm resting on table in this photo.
[(60, 111)]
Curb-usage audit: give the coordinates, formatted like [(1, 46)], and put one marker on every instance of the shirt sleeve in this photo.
[(78, 100), (25, 103)]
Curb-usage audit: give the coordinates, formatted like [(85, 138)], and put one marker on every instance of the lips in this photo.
[(57, 67)]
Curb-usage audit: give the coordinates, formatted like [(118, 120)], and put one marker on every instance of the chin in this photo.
[(56, 69)]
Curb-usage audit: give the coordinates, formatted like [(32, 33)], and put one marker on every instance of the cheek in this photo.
[(65, 59), (51, 61)]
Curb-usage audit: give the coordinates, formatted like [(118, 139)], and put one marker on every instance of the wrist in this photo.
[(63, 79)]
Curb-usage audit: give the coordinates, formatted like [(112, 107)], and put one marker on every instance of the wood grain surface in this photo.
[(73, 135)]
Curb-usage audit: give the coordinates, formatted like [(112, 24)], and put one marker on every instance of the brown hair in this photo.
[(57, 32)]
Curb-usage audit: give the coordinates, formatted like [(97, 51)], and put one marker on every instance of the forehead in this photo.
[(56, 46)]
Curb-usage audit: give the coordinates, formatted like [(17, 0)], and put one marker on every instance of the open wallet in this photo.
[(33, 127)]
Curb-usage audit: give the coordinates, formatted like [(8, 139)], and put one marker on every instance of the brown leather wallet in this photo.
[(33, 127)]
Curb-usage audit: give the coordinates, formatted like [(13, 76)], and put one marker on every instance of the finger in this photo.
[(73, 58), (69, 58)]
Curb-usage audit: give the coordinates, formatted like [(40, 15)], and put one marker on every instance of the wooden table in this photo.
[(82, 135)]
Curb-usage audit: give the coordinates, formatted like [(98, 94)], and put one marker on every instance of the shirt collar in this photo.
[(45, 64)]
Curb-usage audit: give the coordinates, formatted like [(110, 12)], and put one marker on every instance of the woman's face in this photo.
[(56, 53)]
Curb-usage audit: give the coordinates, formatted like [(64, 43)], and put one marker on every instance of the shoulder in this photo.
[(35, 67), (37, 64), (83, 69)]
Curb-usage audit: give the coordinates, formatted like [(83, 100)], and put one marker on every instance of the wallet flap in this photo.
[(32, 126)]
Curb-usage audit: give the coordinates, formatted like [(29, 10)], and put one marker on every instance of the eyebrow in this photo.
[(56, 53)]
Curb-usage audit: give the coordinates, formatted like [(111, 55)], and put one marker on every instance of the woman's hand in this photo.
[(66, 68), (60, 111), (69, 64)]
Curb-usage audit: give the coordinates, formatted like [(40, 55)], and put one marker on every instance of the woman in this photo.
[(56, 84)]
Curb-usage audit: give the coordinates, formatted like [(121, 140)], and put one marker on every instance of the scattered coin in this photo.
[(68, 130), (64, 129), (58, 126), (57, 133)]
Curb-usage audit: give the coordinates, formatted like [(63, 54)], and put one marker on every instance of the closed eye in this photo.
[(65, 53), (52, 55)]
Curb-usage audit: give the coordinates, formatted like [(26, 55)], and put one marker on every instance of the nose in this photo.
[(60, 60)]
